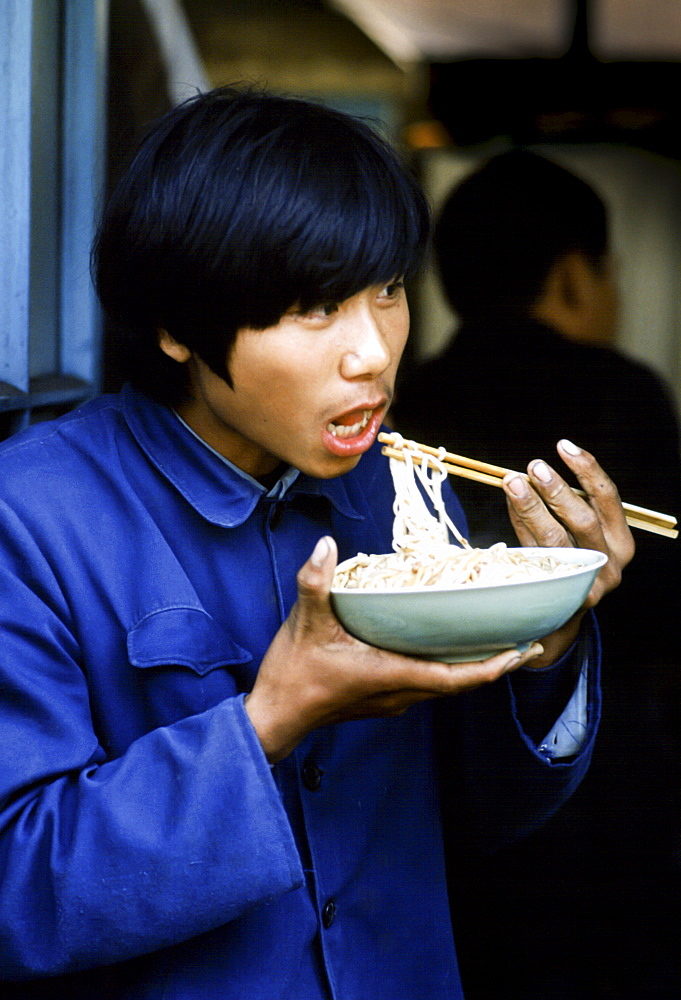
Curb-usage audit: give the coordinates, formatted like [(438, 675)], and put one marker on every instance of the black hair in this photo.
[(238, 205), (505, 225)]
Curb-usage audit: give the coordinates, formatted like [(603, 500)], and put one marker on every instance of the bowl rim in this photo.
[(597, 558)]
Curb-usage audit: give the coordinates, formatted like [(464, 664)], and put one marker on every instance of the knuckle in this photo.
[(614, 573), (303, 581), (585, 519), (554, 537), (556, 492), (529, 507), (561, 496)]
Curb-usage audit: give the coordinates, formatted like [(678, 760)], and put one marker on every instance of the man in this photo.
[(210, 789), (523, 252)]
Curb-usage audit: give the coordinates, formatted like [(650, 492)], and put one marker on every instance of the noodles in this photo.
[(423, 554), (415, 529), (454, 568)]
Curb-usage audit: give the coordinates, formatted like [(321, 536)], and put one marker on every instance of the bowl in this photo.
[(471, 621)]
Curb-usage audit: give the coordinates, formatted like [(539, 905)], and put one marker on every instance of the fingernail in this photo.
[(569, 447), (320, 552), (517, 486), (541, 471)]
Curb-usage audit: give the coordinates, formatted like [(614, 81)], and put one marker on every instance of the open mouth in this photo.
[(353, 432), (350, 425)]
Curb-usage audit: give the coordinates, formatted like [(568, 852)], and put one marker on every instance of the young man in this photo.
[(210, 789)]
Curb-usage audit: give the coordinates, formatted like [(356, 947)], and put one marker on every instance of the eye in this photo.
[(393, 289), (321, 311)]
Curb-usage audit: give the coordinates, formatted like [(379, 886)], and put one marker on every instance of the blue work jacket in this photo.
[(147, 848)]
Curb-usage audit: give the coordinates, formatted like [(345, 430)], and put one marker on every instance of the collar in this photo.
[(216, 489), (278, 490)]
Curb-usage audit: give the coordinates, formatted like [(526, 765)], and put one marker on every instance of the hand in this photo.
[(547, 512), (315, 673)]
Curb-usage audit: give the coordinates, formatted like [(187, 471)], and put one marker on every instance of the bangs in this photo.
[(365, 226), (330, 211)]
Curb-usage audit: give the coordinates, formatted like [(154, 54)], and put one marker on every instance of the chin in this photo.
[(334, 468)]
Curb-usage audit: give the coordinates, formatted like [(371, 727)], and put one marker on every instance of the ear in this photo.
[(568, 292), (178, 352), (579, 300), (570, 283)]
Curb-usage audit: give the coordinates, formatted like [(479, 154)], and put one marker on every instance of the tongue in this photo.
[(348, 419)]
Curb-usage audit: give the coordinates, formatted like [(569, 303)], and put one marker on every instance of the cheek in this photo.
[(276, 380), (399, 334)]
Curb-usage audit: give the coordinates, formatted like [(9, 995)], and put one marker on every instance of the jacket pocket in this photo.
[(183, 637), (185, 663)]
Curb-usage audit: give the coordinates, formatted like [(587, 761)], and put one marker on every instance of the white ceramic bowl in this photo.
[(473, 621)]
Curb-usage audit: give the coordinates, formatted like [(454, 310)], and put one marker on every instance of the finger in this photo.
[(474, 674), (313, 606), (569, 518), (434, 678), (547, 511), (574, 512), (533, 522), (602, 495), (595, 520), (315, 576)]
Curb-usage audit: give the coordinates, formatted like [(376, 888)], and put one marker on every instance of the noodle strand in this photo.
[(422, 552)]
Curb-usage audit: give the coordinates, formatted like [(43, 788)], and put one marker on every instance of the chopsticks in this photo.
[(492, 475)]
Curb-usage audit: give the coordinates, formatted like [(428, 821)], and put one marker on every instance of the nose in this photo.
[(366, 353)]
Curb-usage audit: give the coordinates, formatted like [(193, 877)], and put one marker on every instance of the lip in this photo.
[(345, 446)]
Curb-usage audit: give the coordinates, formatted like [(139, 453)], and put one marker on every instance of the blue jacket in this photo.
[(147, 849)]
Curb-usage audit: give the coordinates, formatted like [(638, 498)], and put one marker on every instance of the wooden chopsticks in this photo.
[(492, 475)]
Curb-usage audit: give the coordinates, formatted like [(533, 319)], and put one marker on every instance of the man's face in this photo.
[(310, 391)]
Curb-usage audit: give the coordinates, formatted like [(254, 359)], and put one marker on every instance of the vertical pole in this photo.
[(15, 190), (83, 170)]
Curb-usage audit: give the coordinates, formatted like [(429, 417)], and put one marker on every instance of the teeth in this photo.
[(341, 431)]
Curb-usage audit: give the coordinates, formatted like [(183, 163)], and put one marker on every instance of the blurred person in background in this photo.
[(522, 248)]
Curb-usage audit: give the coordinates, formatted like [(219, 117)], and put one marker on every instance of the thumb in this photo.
[(315, 576)]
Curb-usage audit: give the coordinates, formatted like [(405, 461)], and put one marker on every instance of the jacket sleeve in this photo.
[(105, 859), (499, 783)]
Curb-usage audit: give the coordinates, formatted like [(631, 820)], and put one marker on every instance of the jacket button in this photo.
[(312, 776), (328, 914)]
